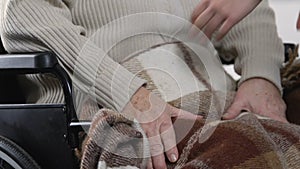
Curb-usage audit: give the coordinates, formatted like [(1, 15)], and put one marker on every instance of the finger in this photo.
[(213, 25), (225, 28), (156, 149), (159, 162), (149, 164), (204, 18), (182, 114), (169, 141), (234, 110), (199, 9), (197, 36)]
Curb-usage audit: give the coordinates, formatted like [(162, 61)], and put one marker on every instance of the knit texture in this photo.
[(245, 142), (66, 27), (119, 144)]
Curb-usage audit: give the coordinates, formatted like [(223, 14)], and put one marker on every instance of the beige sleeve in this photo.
[(35, 25), (260, 50)]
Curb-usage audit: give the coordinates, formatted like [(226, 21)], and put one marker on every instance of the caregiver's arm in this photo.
[(260, 57), (210, 15)]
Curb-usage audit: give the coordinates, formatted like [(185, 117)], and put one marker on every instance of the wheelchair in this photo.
[(34, 136)]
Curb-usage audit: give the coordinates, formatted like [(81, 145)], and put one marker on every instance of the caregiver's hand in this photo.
[(154, 115), (212, 14), (258, 96)]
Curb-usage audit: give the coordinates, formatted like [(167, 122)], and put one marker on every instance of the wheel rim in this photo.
[(4, 158)]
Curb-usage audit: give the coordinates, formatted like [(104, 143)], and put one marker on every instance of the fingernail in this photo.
[(173, 158), (225, 115)]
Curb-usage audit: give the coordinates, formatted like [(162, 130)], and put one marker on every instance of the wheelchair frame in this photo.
[(31, 126)]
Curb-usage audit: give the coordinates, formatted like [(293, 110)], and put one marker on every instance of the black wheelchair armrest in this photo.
[(35, 63), (46, 62), (28, 62)]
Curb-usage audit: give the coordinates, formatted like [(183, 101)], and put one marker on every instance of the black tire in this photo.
[(14, 157)]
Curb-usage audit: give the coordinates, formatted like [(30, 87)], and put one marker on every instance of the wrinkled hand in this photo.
[(211, 14), (258, 96), (154, 115)]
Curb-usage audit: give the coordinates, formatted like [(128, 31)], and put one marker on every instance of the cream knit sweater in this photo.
[(65, 26)]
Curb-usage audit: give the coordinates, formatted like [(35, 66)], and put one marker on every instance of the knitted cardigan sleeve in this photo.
[(35, 25), (259, 48)]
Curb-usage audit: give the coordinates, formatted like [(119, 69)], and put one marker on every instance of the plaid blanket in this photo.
[(248, 141)]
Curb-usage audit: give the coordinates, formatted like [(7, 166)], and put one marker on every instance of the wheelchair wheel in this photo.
[(14, 157)]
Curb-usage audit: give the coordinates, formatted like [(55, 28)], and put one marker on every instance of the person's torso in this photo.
[(93, 14)]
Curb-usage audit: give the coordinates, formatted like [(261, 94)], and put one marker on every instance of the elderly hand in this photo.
[(211, 14), (154, 116), (258, 96)]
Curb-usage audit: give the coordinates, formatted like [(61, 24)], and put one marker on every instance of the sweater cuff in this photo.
[(124, 85), (116, 85), (104, 79), (261, 67)]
